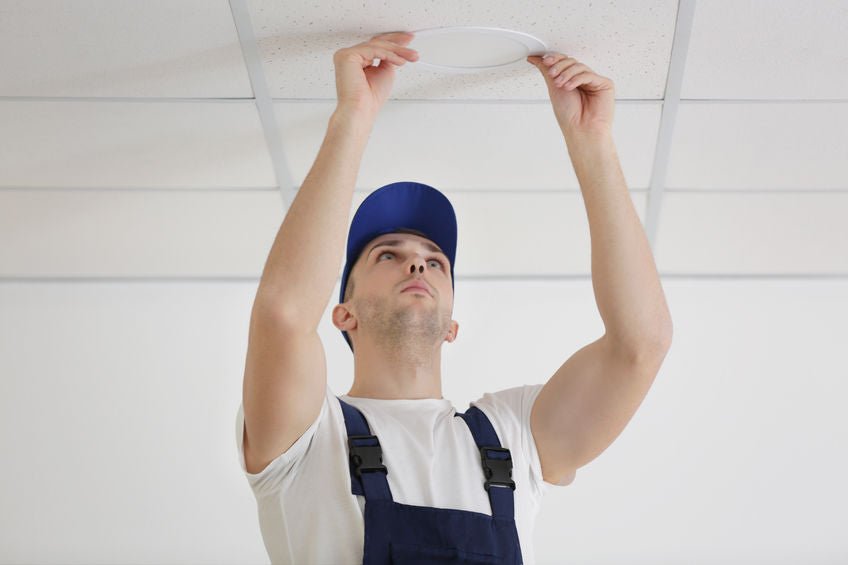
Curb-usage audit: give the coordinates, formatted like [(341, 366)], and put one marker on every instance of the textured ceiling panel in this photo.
[(154, 48), (521, 234), (133, 144), (490, 146), (753, 234), (768, 50), (759, 146), (217, 234), (629, 42), (77, 233)]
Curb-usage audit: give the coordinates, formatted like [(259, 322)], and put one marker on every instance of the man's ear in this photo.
[(453, 332), (342, 318)]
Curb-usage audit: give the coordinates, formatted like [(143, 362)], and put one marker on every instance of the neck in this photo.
[(409, 371)]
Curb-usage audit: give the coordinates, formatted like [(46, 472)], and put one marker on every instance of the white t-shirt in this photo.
[(307, 513)]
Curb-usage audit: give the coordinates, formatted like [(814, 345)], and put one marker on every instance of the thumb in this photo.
[(536, 60)]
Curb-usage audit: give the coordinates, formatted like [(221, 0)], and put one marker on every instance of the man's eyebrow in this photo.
[(397, 242)]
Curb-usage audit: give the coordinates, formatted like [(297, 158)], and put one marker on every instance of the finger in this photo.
[(553, 58), (379, 55), (546, 59), (572, 83), (567, 67), (386, 46), (587, 77), (403, 37), (569, 73), (371, 52), (535, 60), (400, 50), (370, 57)]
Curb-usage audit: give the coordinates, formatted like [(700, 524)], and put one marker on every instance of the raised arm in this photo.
[(285, 374)]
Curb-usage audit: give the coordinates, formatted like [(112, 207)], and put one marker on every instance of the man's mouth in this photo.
[(416, 286)]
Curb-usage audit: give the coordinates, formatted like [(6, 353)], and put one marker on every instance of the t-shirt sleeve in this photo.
[(511, 409), (271, 478)]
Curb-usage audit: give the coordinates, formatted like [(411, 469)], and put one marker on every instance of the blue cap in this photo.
[(397, 206)]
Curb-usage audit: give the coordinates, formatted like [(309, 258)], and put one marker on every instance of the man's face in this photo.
[(386, 265), (391, 261)]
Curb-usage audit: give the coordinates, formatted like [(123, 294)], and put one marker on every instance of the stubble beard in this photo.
[(408, 332)]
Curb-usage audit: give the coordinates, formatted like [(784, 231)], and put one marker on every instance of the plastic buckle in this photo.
[(366, 457), (498, 471)]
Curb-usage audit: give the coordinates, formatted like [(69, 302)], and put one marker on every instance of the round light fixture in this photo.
[(469, 49)]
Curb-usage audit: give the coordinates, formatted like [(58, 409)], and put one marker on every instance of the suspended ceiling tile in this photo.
[(767, 49), (133, 144), (521, 234), (64, 233), (759, 146), (753, 234), (629, 42), (155, 48), (493, 146)]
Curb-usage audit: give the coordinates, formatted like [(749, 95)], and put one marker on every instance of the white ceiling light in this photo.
[(469, 49)]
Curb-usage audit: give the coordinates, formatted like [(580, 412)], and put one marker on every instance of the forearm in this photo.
[(303, 263), (624, 277)]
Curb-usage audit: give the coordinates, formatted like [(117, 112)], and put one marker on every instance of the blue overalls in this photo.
[(417, 535)]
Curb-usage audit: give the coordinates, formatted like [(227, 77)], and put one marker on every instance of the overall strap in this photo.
[(365, 457), (496, 461)]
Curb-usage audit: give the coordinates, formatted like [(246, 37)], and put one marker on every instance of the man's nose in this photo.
[(417, 263)]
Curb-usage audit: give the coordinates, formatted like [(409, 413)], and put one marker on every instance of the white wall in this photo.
[(117, 407)]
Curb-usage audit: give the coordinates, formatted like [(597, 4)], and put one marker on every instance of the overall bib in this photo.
[(418, 535)]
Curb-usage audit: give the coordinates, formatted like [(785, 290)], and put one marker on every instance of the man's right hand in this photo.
[(361, 87)]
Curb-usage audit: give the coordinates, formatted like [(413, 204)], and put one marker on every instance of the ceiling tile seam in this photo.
[(668, 117), (694, 101), (626, 101), (495, 191), (135, 99), (522, 190), (262, 98), (480, 101), (478, 278), (272, 188), (634, 101)]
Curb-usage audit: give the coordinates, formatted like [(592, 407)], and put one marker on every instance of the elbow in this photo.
[(652, 349), (662, 338), (662, 343)]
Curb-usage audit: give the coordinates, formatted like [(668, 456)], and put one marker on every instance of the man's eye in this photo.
[(437, 261)]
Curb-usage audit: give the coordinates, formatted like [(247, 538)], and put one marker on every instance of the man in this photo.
[(390, 472)]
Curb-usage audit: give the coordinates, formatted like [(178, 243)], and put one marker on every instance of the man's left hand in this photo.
[(583, 101)]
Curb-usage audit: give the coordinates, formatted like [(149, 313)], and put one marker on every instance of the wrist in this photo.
[(599, 136), (577, 142), (350, 115)]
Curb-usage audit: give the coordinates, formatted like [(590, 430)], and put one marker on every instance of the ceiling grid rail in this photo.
[(264, 103), (668, 117), (287, 189), (480, 278)]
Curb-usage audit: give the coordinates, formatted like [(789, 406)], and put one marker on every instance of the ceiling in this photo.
[(163, 139)]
